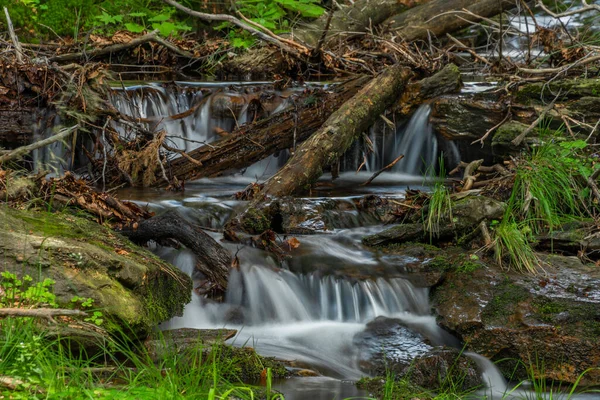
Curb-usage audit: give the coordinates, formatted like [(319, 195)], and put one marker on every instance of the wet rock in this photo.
[(178, 341), (502, 138), (465, 215), (550, 323), (307, 216), (444, 368), (387, 344), (132, 287)]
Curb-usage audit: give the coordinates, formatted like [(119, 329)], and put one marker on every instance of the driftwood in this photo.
[(213, 260), (327, 144), (251, 143), (21, 151), (352, 19), (439, 17)]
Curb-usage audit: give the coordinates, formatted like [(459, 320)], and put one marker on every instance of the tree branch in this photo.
[(26, 149), (233, 20)]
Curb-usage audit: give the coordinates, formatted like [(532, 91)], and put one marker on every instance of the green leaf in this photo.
[(133, 27), (160, 18), (138, 14)]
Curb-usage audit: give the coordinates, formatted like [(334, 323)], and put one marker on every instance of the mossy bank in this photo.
[(134, 289)]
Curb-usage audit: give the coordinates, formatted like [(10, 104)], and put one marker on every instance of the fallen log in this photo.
[(340, 130), (352, 19), (294, 125), (251, 143), (438, 17), (213, 260)]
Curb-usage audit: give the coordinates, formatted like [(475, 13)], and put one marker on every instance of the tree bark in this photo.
[(214, 260), (439, 17), (358, 17)]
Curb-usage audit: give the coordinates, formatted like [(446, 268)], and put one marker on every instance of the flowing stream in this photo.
[(318, 309)]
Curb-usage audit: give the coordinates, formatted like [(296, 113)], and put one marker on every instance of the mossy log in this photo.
[(213, 260), (466, 118), (439, 17)]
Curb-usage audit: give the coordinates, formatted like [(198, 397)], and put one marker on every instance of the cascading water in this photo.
[(416, 140)]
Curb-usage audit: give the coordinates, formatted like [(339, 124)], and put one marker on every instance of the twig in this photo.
[(47, 313), (231, 19), (376, 174), (517, 141), (469, 176), (182, 153), (317, 49), (470, 51), (540, 71), (13, 37), (585, 7), (592, 184), (20, 151), (493, 128), (150, 37)]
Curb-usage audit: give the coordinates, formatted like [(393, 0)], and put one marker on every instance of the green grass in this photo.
[(512, 244), (52, 369), (546, 389), (439, 205), (545, 193)]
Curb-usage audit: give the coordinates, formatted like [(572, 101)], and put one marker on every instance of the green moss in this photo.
[(577, 318), (468, 267), (255, 221), (505, 302), (569, 88), (245, 365)]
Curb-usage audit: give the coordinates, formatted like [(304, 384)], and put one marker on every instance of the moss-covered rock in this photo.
[(134, 289), (568, 89), (463, 216), (549, 324), (192, 346)]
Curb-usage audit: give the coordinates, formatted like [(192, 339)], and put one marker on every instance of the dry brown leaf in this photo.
[(293, 243)]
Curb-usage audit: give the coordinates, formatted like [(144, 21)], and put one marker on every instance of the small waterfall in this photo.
[(415, 139), (193, 115), (418, 143)]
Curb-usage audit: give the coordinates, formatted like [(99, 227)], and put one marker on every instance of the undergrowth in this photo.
[(37, 362), (549, 190)]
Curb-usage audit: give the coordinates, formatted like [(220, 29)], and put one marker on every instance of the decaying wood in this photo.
[(337, 134), (13, 37), (213, 260), (517, 141), (447, 80), (439, 17), (21, 151), (592, 184), (47, 313), (470, 176)]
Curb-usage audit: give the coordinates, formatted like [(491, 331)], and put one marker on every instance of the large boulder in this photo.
[(133, 288), (549, 324)]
